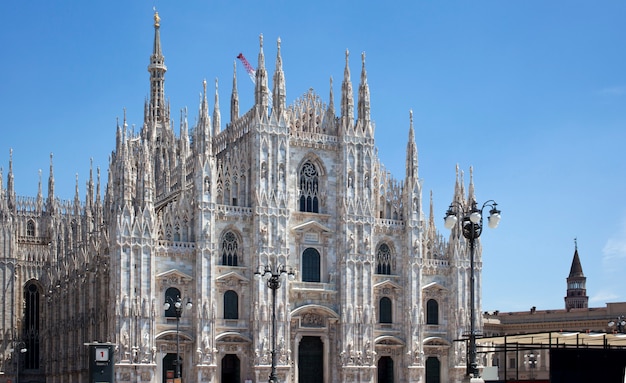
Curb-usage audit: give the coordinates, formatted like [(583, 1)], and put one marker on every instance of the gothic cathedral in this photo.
[(169, 260)]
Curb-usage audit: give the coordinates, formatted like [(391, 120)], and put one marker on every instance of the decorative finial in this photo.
[(347, 54), (261, 40), (575, 243), (204, 85), (363, 57), (157, 19), (411, 115)]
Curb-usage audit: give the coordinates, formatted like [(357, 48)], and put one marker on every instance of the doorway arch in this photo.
[(169, 367), (231, 369), (433, 370), (311, 360), (385, 370)]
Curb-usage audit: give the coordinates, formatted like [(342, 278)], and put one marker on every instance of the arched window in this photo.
[(30, 228), (310, 265), (31, 326), (309, 192), (385, 310), (171, 296), (432, 312), (231, 305), (230, 249), (383, 259)]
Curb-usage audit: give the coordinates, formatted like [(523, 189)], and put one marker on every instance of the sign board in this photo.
[(101, 363)]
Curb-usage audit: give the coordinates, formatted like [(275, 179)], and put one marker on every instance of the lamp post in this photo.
[(472, 227), (178, 308), (619, 324), (532, 359), (272, 277)]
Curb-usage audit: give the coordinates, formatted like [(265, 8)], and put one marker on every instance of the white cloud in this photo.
[(613, 90), (602, 297), (615, 247)]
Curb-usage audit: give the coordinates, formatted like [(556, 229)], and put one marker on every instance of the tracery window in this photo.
[(383, 259), (30, 228), (230, 249), (31, 326), (309, 188)]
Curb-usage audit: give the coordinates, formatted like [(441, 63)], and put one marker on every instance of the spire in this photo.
[(10, 186), (157, 69), (217, 119), (471, 196), (51, 184), (279, 98), (411, 154), (261, 96), (576, 284), (576, 270), (364, 98), (203, 128), (331, 98), (90, 186), (234, 97), (184, 134), (347, 100), (39, 193), (76, 198), (98, 187), (2, 199)]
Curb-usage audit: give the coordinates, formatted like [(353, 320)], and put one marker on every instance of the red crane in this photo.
[(251, 72), (249, 68)]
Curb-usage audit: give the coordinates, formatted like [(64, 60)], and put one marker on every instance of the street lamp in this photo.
[(472, 227), (619, 324), (178, 308), (532, 359), (272, 277)]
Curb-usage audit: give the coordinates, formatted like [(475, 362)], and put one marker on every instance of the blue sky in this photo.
[(532, 94)]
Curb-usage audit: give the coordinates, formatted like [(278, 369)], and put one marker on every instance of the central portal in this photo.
[(311, 360)]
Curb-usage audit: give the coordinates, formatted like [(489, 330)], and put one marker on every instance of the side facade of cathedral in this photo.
[(379, 295)]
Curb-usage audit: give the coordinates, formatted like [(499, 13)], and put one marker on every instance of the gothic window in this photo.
[(384, 310), (177, 232), (230, 249), (432, 312), (31, 326), (30, 228), (309, 188), (383, 259), (311, 265), (231, 305), (171, 296)]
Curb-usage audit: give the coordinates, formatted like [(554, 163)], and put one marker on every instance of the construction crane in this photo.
[(249, 68), (251, 72)]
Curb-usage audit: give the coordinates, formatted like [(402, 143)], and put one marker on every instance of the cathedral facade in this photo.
[(378, 294)]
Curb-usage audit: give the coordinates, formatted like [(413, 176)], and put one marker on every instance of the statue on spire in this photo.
[(157, 19)]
